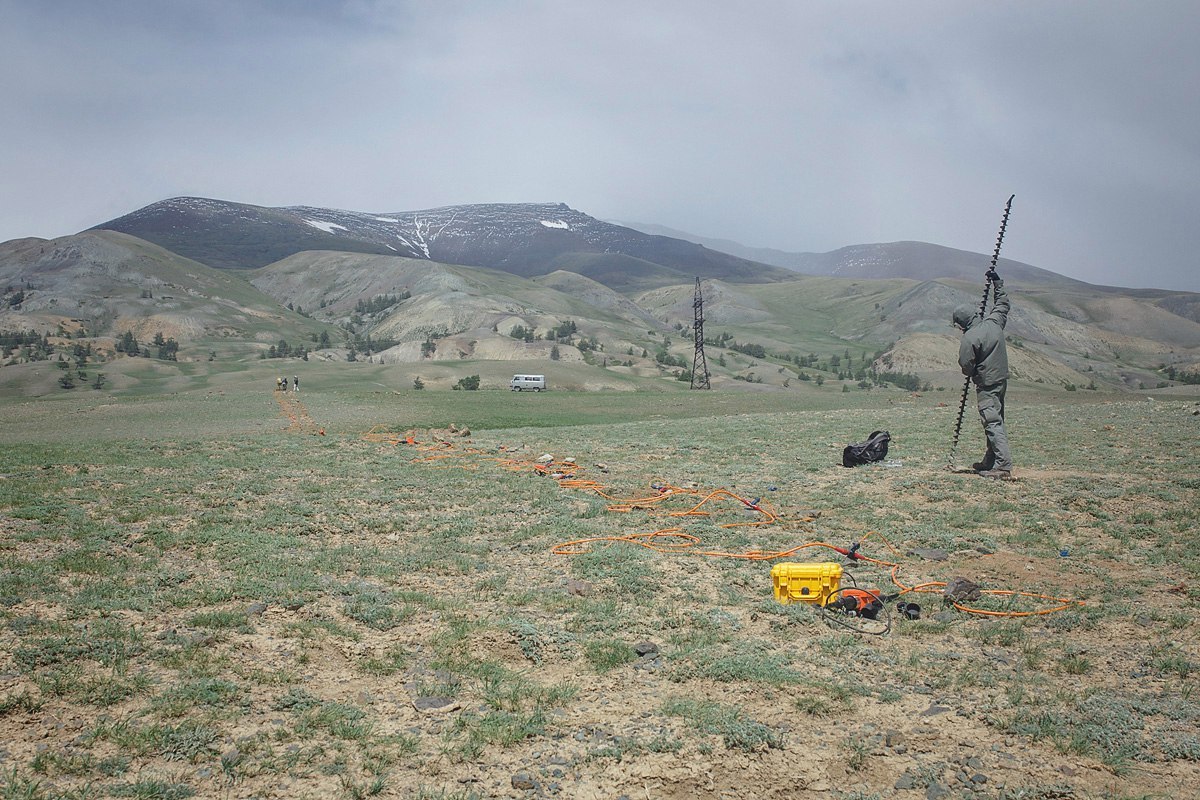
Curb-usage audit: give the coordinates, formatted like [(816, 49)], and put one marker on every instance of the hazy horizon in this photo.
[(796, 126)]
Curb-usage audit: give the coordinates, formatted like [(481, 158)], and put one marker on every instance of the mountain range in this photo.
[(456, 283), (524, 239)]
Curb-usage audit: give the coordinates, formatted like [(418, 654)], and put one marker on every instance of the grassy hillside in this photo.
[(99, 285), (621, 273), (90, 290)]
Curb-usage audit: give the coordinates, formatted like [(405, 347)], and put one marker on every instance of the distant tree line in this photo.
[(380, 302), (663, 357), (164, 349), (285, 350), (1183, 376), (905, 380), (365, 344), (564, 331), (749, 349), (32, 346), (522, 333)]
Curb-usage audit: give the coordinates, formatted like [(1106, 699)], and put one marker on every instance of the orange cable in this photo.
[(671, 540)]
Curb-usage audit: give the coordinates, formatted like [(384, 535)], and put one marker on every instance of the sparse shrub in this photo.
[(608, 653), (735, 729)]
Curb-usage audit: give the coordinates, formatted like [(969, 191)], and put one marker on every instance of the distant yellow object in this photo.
[(808, 583)]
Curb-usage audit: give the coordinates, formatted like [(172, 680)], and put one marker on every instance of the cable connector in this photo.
[(851, 553)]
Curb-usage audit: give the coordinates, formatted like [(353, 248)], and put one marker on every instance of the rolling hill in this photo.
[(525, 239), (552, 283), (104, 283)]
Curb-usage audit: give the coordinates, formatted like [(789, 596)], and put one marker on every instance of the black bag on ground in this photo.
[(873, 449)]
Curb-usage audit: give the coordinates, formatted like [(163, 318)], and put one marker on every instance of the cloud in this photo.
[(795, 125)]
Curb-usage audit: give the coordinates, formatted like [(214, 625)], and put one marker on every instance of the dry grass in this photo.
[(273, 614)]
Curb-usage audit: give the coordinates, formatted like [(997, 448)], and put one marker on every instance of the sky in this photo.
[(799, 125)]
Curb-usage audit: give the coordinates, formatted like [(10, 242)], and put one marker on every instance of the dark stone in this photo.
[(642, 648), (523, 780), (648, 662), (432, 703), (930, 553), (936, 791), (979, 779), (256, 609), (961, 590), (934, 710), (906, 781)]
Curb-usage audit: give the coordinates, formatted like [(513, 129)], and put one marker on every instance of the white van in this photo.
[(520, 383)]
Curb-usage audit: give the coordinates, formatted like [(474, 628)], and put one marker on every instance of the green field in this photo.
[(210, 590)]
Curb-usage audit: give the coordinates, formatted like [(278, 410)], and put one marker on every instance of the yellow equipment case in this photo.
[(808, 583)]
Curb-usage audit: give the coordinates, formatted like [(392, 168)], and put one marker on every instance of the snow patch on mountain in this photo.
[(556, 223), (328, 227)]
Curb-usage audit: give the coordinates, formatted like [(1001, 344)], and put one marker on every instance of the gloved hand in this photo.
[(993, 276)]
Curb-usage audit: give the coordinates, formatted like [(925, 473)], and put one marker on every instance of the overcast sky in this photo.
[(793, 124)]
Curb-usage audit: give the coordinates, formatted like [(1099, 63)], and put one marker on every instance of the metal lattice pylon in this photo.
[(699, 362)]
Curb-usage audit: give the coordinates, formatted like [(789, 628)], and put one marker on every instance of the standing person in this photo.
[(984, 359), (295, 383)]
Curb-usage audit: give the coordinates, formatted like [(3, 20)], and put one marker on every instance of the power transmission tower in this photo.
[(699, 362)]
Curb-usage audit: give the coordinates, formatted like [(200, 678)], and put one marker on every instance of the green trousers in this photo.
[(991, 413)]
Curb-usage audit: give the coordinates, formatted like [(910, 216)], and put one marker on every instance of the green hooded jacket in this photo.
[(982, 354)]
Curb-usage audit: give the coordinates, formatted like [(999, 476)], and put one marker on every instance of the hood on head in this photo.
[(963, 315)]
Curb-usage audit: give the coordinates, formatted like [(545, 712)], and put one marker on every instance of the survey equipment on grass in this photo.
[(820, 584), (806, 583)]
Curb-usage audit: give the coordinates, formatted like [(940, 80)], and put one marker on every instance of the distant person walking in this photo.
[(295, 383), (984, 359)]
